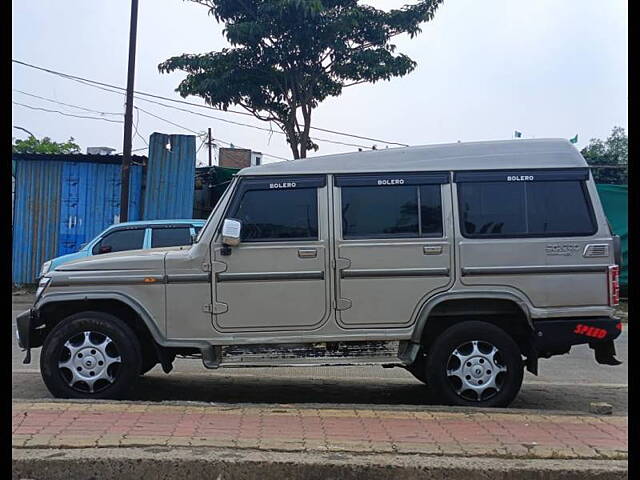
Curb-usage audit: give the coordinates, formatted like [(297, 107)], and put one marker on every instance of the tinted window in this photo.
[(502, 209), (278, 215), (430, 211), (119, 241), (559, 208), (170, 237), (493, 208), (391, 211)]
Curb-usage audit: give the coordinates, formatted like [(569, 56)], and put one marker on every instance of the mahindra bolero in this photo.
[(463, 263)]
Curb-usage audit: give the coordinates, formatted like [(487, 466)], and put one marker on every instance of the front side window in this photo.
[(170, 237), (520, 209), (271, 215), (119, 241), (391, 211)]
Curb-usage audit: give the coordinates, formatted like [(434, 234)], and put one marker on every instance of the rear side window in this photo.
[(170, 237), (271, 215), (387, 212), (522, 209), (119, 241)]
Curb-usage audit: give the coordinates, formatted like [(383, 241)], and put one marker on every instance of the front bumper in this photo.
[(29, 335), (557, 336)]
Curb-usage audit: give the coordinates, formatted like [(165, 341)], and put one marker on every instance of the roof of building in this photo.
[(77, 157), (490, 155)]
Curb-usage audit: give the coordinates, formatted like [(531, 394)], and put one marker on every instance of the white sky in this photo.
[(547, 68)]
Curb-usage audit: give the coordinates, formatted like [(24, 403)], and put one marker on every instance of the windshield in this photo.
[(222, 199)]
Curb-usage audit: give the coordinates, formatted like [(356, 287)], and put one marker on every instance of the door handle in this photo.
[(307, 253), (432, 249)]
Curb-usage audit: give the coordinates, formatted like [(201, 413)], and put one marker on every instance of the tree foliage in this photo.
[(45, 145), (287, 56), (613, 151)]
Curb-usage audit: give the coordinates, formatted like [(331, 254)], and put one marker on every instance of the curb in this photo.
[(322, 406), (162, 463)]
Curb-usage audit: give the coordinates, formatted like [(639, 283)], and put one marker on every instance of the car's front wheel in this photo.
[(90, 355), (475, 364)]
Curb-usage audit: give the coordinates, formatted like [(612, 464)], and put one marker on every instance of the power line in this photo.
[(200, 133), (94, 83), (135, 127), (65, 104), (193, 113), (117, 121), (66, 114), (168, 121)]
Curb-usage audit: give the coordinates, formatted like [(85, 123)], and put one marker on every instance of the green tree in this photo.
[(46, 145), (287, 56), (613, 152)]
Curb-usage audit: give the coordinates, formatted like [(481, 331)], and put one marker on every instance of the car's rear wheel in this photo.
[(90, 355), (475, 364), (417, 368)]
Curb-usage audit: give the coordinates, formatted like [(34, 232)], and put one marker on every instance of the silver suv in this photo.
[(463, 263)]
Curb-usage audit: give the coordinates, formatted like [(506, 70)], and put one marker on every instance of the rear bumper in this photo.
[(557, 336), (29, 336)]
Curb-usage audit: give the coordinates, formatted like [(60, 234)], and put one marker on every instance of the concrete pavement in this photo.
[(201, 463)]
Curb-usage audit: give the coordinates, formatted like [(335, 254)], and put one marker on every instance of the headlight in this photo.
[(46, 266), (42, 286)]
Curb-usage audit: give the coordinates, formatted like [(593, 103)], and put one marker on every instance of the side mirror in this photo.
[(231, 229), (105, 249)]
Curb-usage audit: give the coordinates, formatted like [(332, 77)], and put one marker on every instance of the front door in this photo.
[(276, 278), (393, 246)]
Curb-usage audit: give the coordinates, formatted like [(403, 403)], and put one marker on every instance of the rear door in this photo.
[(276, 278), (534, 232), (392, 246)]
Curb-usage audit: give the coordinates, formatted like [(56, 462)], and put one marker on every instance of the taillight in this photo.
[(613, 277)]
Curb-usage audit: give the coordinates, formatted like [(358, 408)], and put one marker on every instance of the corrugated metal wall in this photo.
[(60, 205), (91, 201), (36, 217), (170, 177)]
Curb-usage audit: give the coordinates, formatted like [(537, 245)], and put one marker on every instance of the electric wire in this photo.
[(65, 113), (96, 83)]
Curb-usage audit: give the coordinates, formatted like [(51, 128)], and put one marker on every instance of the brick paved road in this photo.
[(457, 433)]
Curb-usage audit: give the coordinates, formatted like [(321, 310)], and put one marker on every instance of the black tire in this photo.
[(120, 359), (452, 389), (147, 365), (417, 368)]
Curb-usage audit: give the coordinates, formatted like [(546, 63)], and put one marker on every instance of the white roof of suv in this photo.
[(491, 155)]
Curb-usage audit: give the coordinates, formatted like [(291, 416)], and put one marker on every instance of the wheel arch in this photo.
[(52, 310), (503, 309)]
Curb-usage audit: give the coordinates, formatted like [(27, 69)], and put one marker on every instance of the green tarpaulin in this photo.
[(614, 200)]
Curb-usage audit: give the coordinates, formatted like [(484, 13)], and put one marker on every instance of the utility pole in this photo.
[(209, 146), (128, 116)]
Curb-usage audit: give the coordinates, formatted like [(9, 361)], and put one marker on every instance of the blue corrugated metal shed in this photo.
[(36, 216), (170, 177), (62, 201)]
